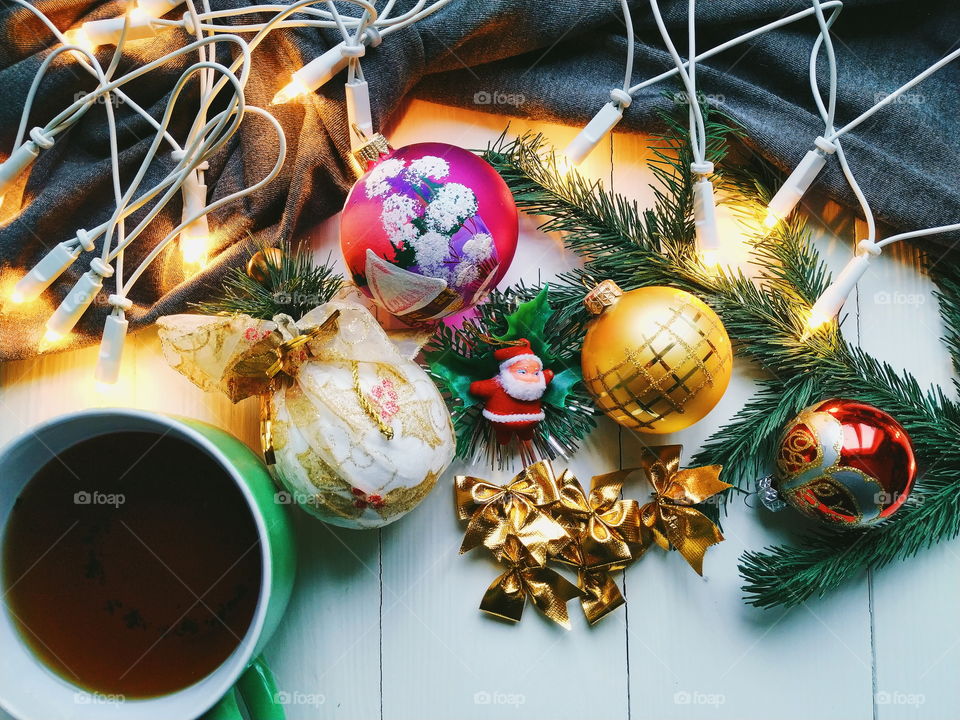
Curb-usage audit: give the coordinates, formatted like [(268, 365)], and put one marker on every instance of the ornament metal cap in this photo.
[(373, 148), (602, 296)]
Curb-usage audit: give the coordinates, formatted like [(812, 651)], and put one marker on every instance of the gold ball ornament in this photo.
[(260, 263), (655, 359)]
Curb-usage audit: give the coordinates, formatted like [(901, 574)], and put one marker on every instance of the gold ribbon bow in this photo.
[(273, 355), (549, 590), (668, 519), (496, 512), (599, 594), (607, 526)]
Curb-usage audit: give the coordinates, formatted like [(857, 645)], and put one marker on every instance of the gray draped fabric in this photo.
[(560, 58)]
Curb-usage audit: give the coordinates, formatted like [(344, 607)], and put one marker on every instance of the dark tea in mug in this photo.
[(132, 564)]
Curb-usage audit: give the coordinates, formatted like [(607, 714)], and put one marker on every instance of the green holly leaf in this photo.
[(560, 387), (456, 372), (530, 321)]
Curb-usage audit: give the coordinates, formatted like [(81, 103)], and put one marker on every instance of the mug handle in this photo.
[(258, 689)]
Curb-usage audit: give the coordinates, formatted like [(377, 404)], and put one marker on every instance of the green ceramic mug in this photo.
[(30, 691)]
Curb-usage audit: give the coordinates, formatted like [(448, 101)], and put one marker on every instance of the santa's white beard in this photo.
[(522, 389)]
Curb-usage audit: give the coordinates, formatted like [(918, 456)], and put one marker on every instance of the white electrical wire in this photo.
[(221, 85), (611, 113), (281, 153), (892, 97), (628, 65), (827, 113), (687, 72), (734, 42), (830, 302)]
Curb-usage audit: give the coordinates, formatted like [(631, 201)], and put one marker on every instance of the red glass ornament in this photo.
[(845, 463)]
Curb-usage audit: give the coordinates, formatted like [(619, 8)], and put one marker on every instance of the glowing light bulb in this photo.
[(195, 236), (107, 371), (194, 246), (796, 185), (293, 89), (707, 233), (318, 71), (45, 272), (565, 166), (80, 38), (94, 33), (817, 319), (828, 305)]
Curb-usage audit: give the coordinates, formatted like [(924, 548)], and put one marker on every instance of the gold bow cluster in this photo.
[(668, 519), (538, 517)]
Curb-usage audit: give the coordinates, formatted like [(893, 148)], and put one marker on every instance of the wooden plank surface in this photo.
[(385, 624)]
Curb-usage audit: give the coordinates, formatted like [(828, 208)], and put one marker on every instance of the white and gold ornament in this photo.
[(353, 428)]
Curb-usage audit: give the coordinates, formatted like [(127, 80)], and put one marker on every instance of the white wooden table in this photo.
[(385, 624)]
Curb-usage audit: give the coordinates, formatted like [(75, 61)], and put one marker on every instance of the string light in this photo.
[(15, 165), (831, 301), (195, 237), (707, 234), (114, 336), (372, 28), (94, 33), (800, 180), (608, 117), (206, 137), (80, 297), (146, 20), (195, 243), (598, 128), (321, 70), (42, 275), (828, 305)]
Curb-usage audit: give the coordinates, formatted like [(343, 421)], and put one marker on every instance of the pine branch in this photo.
[(294, 285), (947, 277), (765, 317)]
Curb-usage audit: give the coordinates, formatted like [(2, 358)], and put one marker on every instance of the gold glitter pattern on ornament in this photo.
[(827, 492), (325, 478), (800, 451), (367, 405), (667, 368), (403, 499)]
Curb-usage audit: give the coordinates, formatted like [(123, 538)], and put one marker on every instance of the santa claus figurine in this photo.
[(511, 400)]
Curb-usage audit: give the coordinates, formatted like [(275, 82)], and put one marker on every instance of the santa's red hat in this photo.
[(507, 356)]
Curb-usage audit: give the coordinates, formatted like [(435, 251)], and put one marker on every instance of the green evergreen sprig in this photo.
[(294, 284), (765, 316)]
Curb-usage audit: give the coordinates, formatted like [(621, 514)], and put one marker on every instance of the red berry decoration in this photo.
[(845, 463)]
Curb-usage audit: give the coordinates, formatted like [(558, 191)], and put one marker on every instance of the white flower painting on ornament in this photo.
[(433, 226)]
